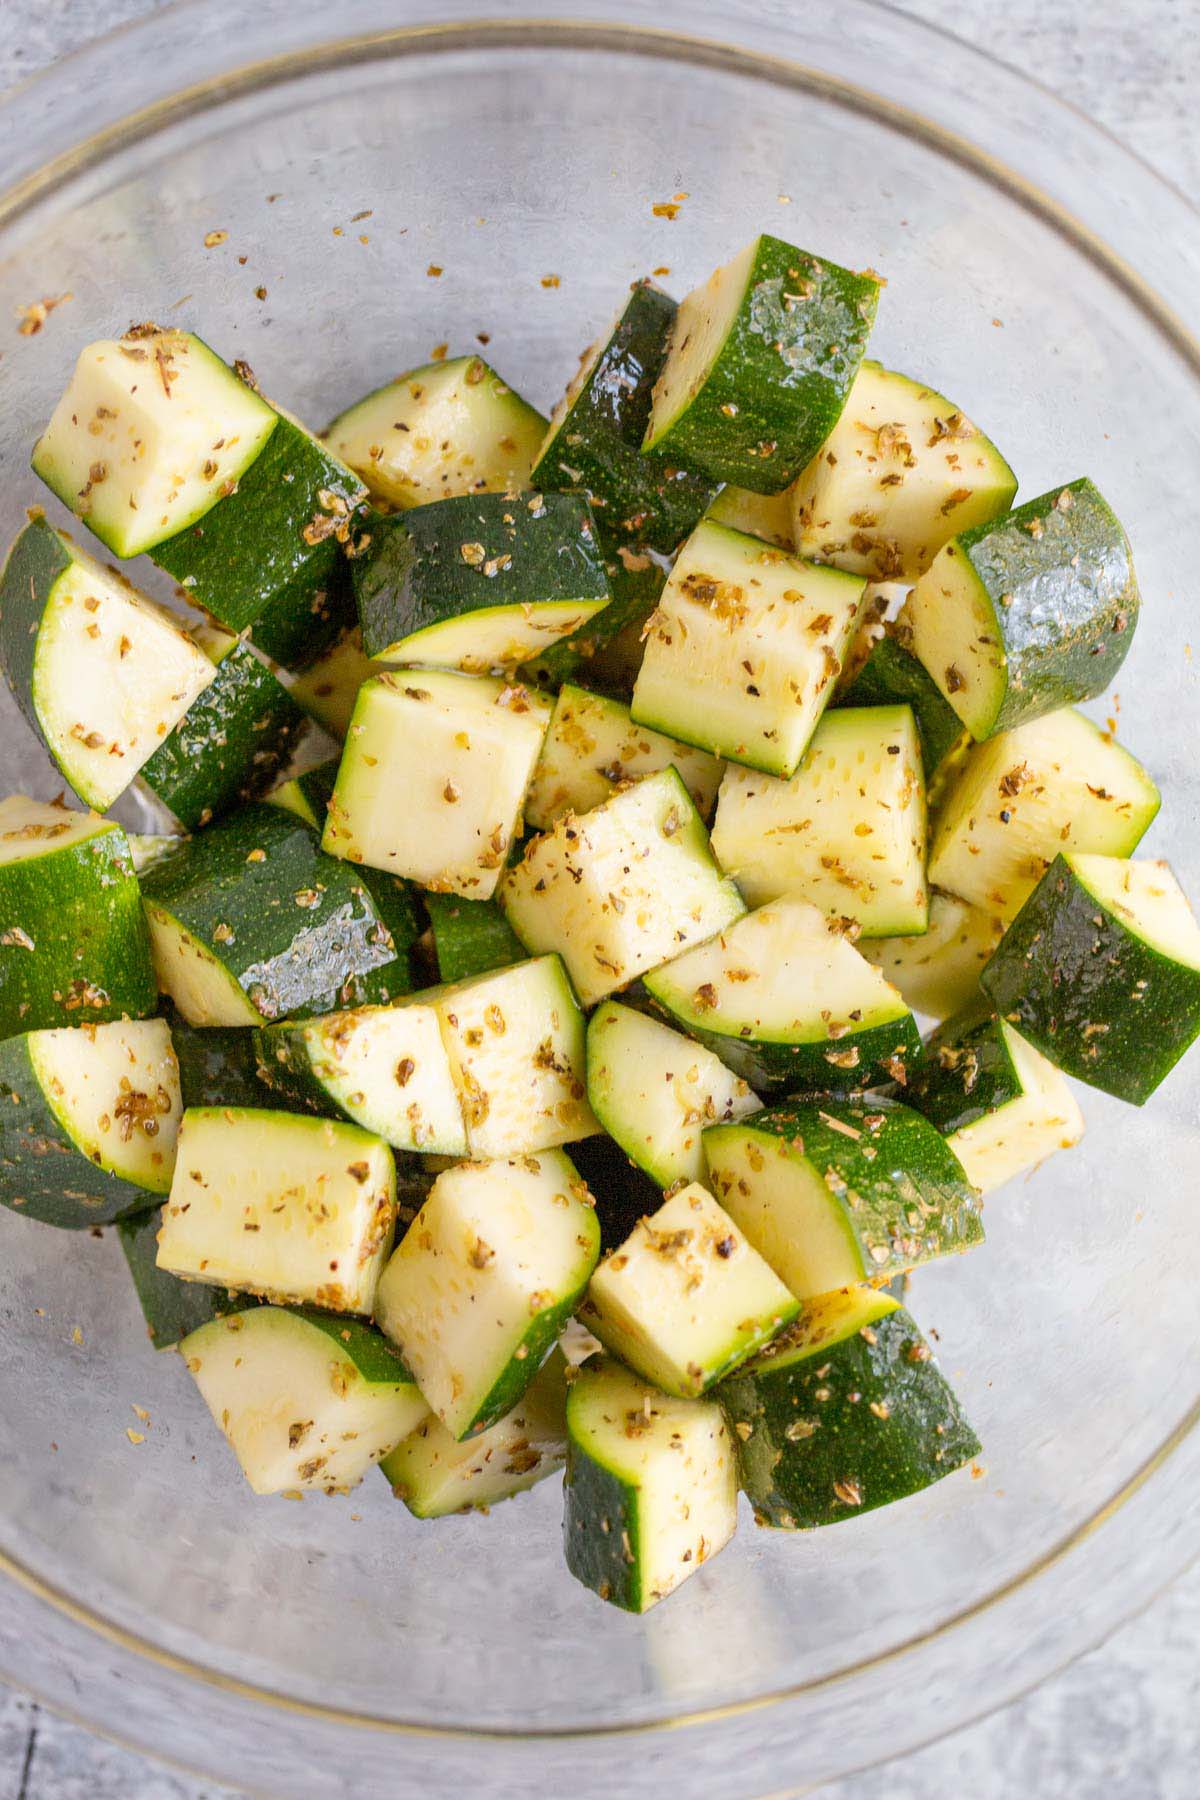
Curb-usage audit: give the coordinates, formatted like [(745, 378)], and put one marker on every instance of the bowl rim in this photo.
[(51, 156)]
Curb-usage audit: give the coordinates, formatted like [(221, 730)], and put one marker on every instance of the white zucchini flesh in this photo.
[(115, 1090), (654, 1091), (168, 423), (493, 637), (701, 325), (498, 1250), (1056, 784), (744, 648), (30, 828), (293, 1208), (515, 1044), (784, 1208), (1044, 1117), (766, 516), (847, 830), (147, 848), (434, 1474), (686, 1297), (187, 971), (1147, 899), (937, 972), (467, 745), (593, 746), (297, 1413), (113, 673), (621, 889), (328, 688)]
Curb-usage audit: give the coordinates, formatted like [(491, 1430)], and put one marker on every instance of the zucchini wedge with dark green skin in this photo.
[(1028, 612), (890, 675), (172, 1308), (838, 1192), (251, 921), (635, 581), (231, 742), (470, 937), (307, 795), (593, 445), (1100, 970), (480, 582), (74, 948), (844, 1412), (217, 1065), (759, 364), (327, 687)]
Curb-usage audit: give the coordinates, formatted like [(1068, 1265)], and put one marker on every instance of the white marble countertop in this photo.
[(1124, 1722)]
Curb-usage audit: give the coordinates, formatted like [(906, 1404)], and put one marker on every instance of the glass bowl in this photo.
[(1040, 275)]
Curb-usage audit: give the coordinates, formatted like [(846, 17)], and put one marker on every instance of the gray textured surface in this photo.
[(1124, 1722)]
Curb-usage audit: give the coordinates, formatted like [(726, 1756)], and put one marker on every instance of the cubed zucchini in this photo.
[(593, 746), (889, 674), (171, 1308), (766, 516), (938, 971), (327, 689), (470, 936)]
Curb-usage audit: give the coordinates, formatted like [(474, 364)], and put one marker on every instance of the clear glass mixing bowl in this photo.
[(338, 1646)]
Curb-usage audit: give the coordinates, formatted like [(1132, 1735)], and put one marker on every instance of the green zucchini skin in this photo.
[(610, 1562), (470, 937), (268, 556), (892, 674), (308, 795), (74, 947), (43, 1172), (172, 1308), (786, 367), (230, 744), (290, 957), (844, 1428), (217, 1065), (623, 1193), (415, 572), (1099, 1002), (544, 1331), (635, 581), (966, 1073), (35, 562)]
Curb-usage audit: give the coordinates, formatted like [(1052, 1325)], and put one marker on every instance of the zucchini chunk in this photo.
[(686, 1297), (766, 516), (844, 1192), (759, 365), (468, 745), (515, 1042), (743, 649), (74, 948), (938, 971), (890, 675), (593, 746), (435, 1475), (327, 689), (1032, 611), (651, 1486), (1056, 784), (449, 428), (847, 830), (149, 847), (100, 672), (786, 1002), (217, 1065), (483, 1281), (381, 1067), (305, 1400), (249, 921), (470, 937), (902, 471), (88, 1120), (593, 443), (1100, 970), (307, 795), (232, 741), (844, 1412), (273, 1203), (481, 582), (655, 1091), (161, 447), (171, 1308), (608, 649), (996, 1100), (623, 1192), (620, 889)]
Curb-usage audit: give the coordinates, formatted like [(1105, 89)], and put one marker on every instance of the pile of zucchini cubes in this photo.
[(532, 1079)]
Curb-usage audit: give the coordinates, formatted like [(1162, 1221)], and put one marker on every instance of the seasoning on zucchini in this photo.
[(327, 689), (171, 1308), (938, 971), (306, 1399), (468, 745), (607, 651), (786, 1002), (299, 1210), (100, 672), (759, 365), (621, 889), (901, 472), (843, 1191), (1029, 612), (844, 1412), (88, 1119), (74, 948), (744, 648), (593, 746), (1100, 970), (847, 830), (890, 675), (483, 1281), (767, 516), (1055, 784)]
